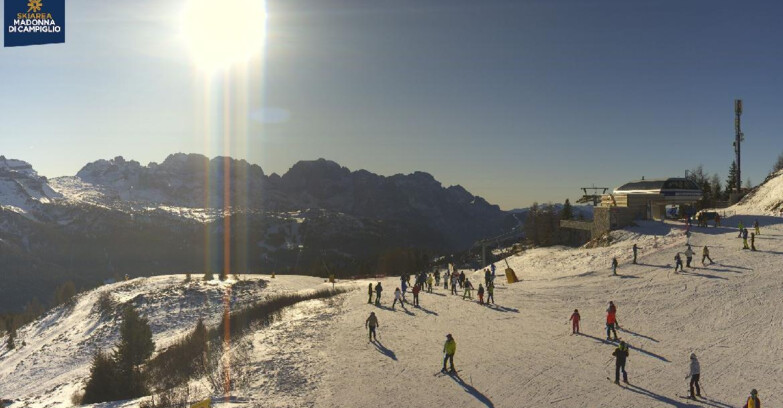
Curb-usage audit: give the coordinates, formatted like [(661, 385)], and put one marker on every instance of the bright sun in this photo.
[(220, 33)]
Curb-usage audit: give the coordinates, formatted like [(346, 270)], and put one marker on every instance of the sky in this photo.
[(517, 101)]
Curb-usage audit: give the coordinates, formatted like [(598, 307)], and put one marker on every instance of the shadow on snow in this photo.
[(472, 391)]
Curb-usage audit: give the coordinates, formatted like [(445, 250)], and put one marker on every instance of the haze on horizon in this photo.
[(517, 101)]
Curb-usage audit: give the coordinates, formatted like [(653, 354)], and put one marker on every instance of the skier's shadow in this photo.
[(437, 294), (386, 352), (503, 309), (384, 307), (430, 312), (659, 397), (702, 275), (637, 334), (472, 391)]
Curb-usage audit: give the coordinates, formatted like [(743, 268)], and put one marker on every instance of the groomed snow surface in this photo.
[(519, 353)]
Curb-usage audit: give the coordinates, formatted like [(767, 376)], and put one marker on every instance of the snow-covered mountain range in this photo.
[(117, 217)]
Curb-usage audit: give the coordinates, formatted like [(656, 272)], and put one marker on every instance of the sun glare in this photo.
[(225, 32)]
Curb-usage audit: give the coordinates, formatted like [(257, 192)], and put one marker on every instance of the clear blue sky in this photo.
[(518, 101)]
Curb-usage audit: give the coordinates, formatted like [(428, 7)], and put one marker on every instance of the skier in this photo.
[(753, 400), (416, 289), (446, 280), (454, 282), (756, 226), (705, 254), (752, 241), (694, 374), (462, 279), (449, 348), (621, 354), (688, 256), (740, 226), (487, 277), (468, 286), (745, 239), (398, 297), (404, 285), (378, 290), (677, 262), (481, 294), (492, 268), (611, 320), (429, 284), (491, 293), (372, 323), (635, 249), (575, 321), (717, 220), (614, 266), (437, 277), (369, 292)]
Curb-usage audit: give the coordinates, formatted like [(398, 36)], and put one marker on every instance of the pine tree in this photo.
[(778, 164), (568, 212), (135, 347), (731, 180), (103, 383), (11, 342)]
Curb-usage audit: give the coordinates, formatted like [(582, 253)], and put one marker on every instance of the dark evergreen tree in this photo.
[(568, 211), (731, 180), (778, 164), (103, 384), (135, 347), (11, 342)]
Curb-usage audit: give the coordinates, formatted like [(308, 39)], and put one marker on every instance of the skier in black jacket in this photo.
[(621, 353)]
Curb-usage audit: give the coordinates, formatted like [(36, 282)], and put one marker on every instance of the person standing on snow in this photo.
[(611, 320), (372, 323), (688, 256), (404, 285), (462, 279), (437, 277), (756, 226), (741, 227), (677, 262), (487, 277), (745, 239), (449, 348), (635, 250), (753, 400), (621, 354), (416, 289), (378, 290), (481, 294), (695, 372), (398, 297), (454, 281), (468, 286), (705, 254), (491, 293), (575, 321), (429, 283), (492, 268), (369, 292), (614, 266), (752, 241)]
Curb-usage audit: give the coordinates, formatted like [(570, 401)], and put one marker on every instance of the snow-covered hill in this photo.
[(766, 199), (517, 353)]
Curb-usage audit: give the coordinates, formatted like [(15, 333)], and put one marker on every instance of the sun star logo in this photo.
[(35, 5)]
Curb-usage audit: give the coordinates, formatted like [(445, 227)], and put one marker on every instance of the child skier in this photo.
[(752, 241), (372, 323), (429, 284), (449, 349), (369, 292), (454, 280), (481, 294), (705, 254), (688, 256), (575, 321), (611, 320), (753, 400), (398, 298), (635, 250), (416, 289), (677, 262), (621, 354), (756, 226), (745, 239), (741, 227), (694, 374), (614, 266)]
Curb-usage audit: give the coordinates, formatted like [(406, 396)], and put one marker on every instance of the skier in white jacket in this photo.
[(694, 374)]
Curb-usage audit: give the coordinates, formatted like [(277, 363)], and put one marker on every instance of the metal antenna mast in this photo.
[(739, 137)]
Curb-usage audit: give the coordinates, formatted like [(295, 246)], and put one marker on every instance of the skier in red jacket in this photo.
[(611, 320), (575, 321)]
